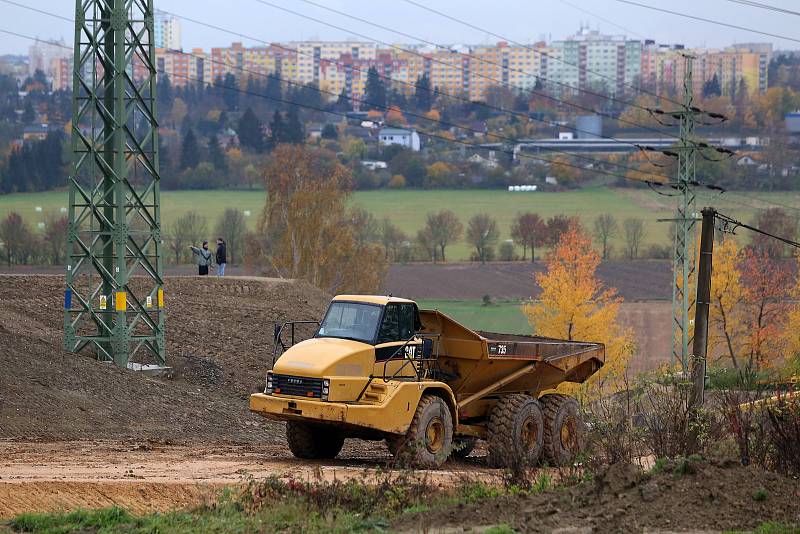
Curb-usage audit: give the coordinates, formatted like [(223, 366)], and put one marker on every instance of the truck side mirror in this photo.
[(427, 348)]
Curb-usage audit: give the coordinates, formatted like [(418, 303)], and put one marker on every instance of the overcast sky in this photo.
[(520, 20)]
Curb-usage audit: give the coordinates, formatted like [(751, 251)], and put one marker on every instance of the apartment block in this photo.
[(167, 31)]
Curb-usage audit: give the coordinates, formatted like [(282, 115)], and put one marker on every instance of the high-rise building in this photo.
[(42, 54), (593, 61), (184, 68), (167, 33)]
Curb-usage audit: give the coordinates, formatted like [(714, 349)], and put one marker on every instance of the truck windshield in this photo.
[(351, 320)]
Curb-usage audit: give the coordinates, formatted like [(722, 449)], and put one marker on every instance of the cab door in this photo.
[(391, 350)]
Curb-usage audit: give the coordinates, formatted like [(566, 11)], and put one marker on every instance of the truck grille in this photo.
[(297, 386)]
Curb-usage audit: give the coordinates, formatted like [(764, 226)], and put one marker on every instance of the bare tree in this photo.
[(427, 243), (365, 227), (530, 230), (190, 229), (482, 233), (634, 234), (392, 238), (775, 221), (444, 228), (55, 237), (16, 236), (231, 228), (605, 229)]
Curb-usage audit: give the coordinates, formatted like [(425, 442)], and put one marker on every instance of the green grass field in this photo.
[(502, 316), (408, 208)]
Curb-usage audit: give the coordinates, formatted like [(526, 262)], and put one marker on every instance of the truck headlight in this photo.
[(326, 387), (270, 386)]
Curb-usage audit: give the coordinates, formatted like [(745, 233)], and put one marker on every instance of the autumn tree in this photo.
[(792, 331), (365, 227), (445, 228), (307, 231), (392, 238), (767, 282), (530, 230), (605, 229), (558, 225), (231, 228), (574, 305), (483, 234), (55, 237), (15, 235), (634, 234), (776, 222), (427, 243), (749, 308)]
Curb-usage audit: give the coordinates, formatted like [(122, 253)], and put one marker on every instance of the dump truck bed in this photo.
[(478, 363)]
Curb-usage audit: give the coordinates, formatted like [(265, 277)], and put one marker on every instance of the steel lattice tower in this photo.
[(114, 196), (685, 226)]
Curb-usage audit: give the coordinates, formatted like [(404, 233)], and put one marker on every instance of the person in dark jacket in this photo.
[(222, 256), (204, 258)]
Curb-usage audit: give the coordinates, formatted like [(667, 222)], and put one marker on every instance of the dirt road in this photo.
[(145, 476)]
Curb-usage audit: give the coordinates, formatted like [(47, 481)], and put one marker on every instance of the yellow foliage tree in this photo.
[(793, 329), (748, 324), (727, 332), (307, 230), (574, 305)]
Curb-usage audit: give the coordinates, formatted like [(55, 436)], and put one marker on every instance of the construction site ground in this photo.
[(79, 433)]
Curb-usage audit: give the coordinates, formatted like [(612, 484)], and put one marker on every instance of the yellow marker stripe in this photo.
[(121, 301), (160, 298)]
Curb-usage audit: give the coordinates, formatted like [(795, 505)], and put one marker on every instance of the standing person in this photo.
[(204, 258), (222, 256)]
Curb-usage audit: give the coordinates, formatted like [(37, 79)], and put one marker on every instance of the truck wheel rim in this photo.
[(434, 435), (569, 435), (530, 434)]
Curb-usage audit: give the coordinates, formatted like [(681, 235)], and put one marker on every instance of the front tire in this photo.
[(429, 439), (563, 429), (516, 432), (313, 442)]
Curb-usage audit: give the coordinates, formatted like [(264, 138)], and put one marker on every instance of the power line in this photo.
[(703, 19), (435, 136), (604, 19), (386, 108), (437, 121), (737, 224), (471, 56), (544, 54), (451, 65), (765, 6)]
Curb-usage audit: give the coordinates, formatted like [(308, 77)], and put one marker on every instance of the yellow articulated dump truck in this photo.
[(379, 368)]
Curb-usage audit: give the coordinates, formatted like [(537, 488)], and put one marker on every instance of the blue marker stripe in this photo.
[(67, 299)]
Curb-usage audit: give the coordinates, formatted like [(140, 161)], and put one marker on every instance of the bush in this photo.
[(507, 251), (659, 252), (397, 181)]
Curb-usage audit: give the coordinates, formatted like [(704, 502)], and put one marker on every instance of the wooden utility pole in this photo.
[(703, 303)]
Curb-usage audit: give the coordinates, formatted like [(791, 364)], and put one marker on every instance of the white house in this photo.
[(374, 165), (400, 136)]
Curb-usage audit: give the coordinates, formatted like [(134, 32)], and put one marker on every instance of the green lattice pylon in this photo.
[(114, 300), (685, 257)]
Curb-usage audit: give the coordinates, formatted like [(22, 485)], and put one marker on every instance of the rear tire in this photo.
[(563, 429), (313, 442), (429, 439), (516, 432), (462, 447)]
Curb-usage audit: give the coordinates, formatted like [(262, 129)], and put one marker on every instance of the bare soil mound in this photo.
[(689, 496), (219, 344)]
